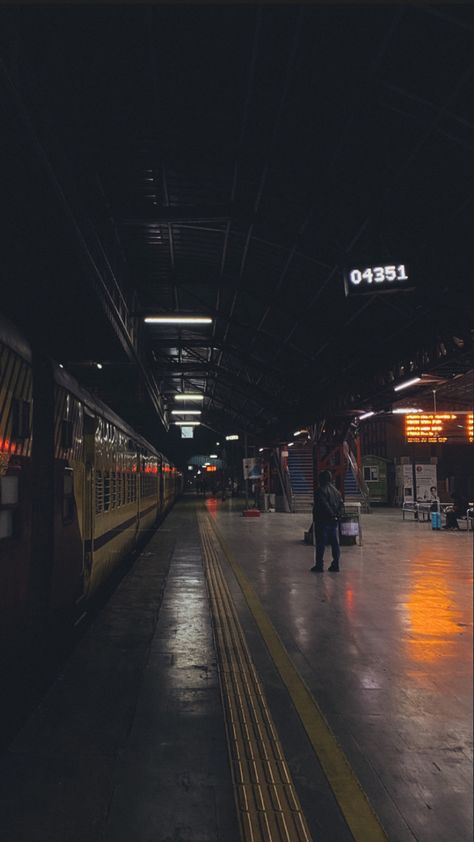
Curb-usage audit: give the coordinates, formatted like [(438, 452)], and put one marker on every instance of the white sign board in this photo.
[(426, 483)]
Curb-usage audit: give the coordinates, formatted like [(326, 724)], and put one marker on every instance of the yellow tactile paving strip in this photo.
[(359, 814), (268, 806)]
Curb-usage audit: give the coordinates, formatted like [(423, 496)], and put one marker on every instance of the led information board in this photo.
[(439, 428), (368, 280)]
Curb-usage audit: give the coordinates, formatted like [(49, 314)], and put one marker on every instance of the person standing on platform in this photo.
[(328, 507)]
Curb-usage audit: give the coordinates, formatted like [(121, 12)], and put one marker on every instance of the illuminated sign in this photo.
[(368, 280), (439, 428), (211, 468)]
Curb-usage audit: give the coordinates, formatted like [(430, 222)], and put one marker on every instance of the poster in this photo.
[(426, 483), (252, 468), (408, 490)]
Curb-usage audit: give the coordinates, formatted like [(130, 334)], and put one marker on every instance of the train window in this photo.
[(148, 485), (106, 491), (21, 419), (9, 490), (6, 523), (124, 487), (113, 490), (99, 493), (68, 496), (130, 487), (66, 434), (9, 503)]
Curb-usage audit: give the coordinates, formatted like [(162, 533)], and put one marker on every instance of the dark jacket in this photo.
[(328, 505)]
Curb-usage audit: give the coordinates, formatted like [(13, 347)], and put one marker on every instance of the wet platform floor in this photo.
[(130, 742)]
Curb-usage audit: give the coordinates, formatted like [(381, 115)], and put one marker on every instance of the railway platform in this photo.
[(225, 692)]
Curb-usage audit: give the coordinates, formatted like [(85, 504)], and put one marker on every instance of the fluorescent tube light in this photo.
[(231, 438), (213, 456), (178, 320), (186, 423), (186, 412), (366, 415), (406, 384), (299, 432), (406, 410), (189, 396), (290, 443)]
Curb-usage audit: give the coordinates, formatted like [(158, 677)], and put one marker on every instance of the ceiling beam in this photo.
[(231, 212)]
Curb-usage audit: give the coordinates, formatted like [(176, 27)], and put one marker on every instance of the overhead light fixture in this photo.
[(405, 410), (189, 396), (260, 449), (213, 456), (231, 438), (186, 423), (98, 365), (406, 384), (217, 443), (190, 467), (186, 412), (290, 443), (366, 415), (299, 432), (61, 365), (178, 320)]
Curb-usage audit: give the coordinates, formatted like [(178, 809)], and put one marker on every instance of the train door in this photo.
[(161, 485), (90, 426)]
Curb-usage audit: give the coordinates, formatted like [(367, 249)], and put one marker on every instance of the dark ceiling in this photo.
[(232, 161)]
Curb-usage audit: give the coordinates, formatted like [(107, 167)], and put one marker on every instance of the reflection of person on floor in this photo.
[(457, 510)]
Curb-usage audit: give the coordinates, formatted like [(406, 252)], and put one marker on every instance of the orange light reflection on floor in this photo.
[(433, 616), (211, 505), (349, 596)]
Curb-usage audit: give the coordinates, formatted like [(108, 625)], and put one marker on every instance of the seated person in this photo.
[(458, 509)]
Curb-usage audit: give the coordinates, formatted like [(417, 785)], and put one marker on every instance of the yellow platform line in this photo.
[(359, 814), (267, 803)]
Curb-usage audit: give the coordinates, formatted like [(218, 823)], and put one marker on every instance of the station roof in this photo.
[(234, 161)]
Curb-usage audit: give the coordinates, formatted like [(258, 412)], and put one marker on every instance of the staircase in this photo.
[(300, 469), (352, 493)]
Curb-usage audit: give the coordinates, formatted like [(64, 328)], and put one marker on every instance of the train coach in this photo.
[(79, 490)]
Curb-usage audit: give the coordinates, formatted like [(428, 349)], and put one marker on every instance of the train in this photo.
[(79, 490)]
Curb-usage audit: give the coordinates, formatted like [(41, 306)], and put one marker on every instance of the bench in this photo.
[(420, 511)]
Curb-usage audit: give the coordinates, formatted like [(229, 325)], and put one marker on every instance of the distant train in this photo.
[(79, 489)]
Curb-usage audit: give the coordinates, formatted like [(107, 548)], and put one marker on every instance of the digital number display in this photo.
[(439, 428), (371, 279)]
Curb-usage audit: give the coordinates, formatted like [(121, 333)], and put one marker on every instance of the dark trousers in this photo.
[(327, 534)]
